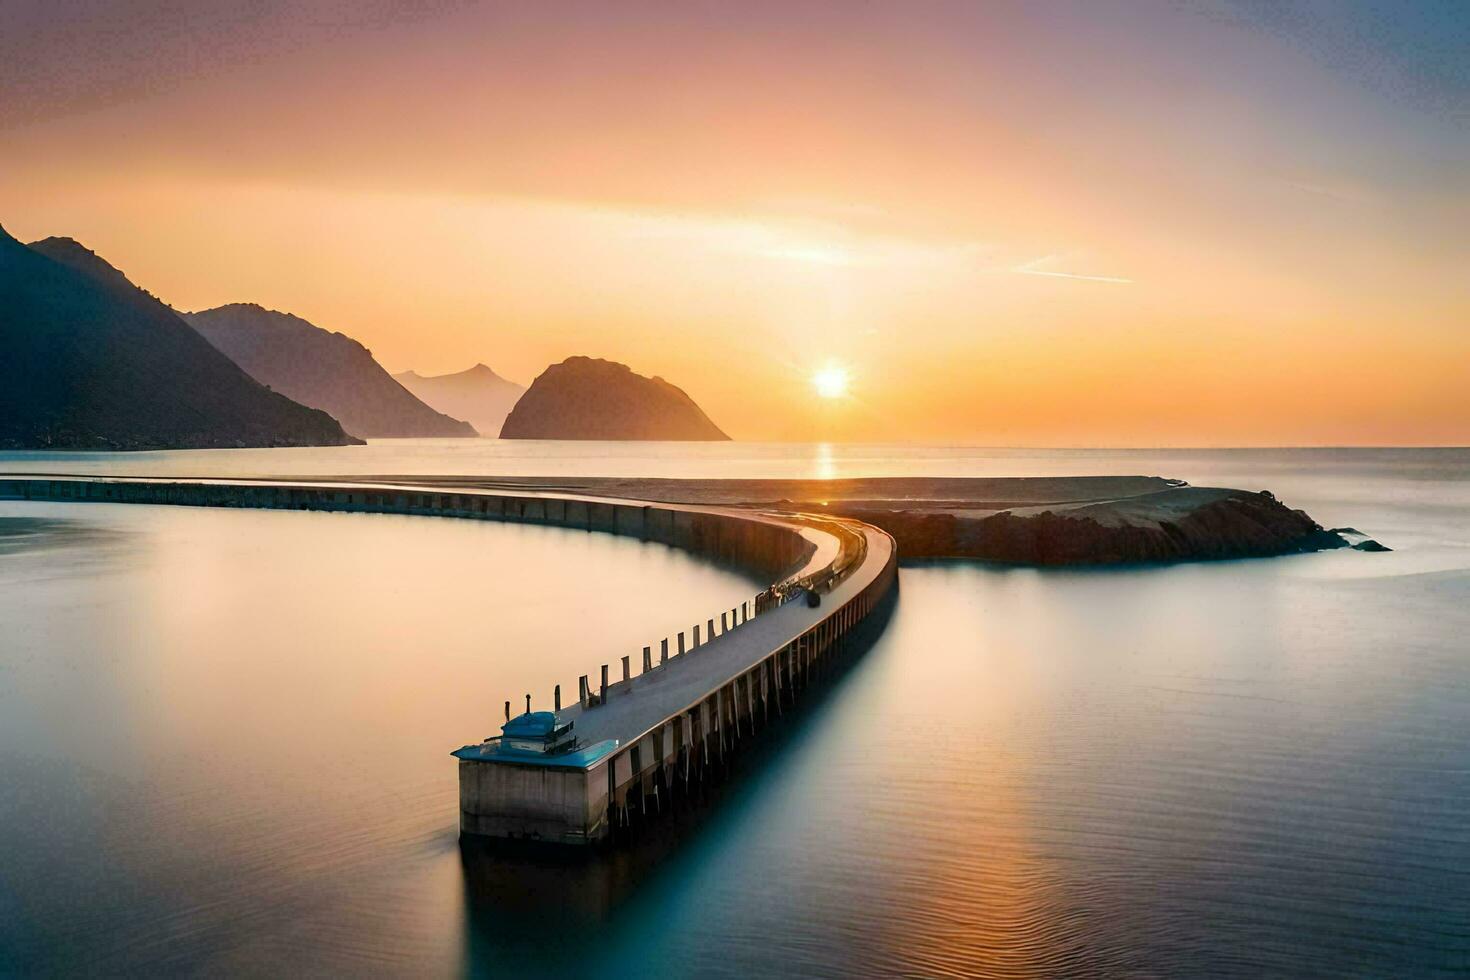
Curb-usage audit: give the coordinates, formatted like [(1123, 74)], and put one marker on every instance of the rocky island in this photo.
[(589, 398)]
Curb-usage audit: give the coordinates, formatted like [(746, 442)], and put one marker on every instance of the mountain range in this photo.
[(90, 361)]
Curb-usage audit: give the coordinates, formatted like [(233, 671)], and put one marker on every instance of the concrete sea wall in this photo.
[(763, 548)]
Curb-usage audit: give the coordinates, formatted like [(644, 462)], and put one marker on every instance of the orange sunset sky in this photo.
[(1049, 224)]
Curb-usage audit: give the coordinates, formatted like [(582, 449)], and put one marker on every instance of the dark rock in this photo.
[(1357, 540), (588, 398), (1226, 524)]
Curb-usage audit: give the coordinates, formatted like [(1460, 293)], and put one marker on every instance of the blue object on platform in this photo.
[(537, 738), (532, 724), (491, 750)]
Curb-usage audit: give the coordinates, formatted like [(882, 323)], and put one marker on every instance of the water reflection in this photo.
[(590, 912), (1235, 769), (19, 534), (1207, 770), (824, 464), (224, 736)]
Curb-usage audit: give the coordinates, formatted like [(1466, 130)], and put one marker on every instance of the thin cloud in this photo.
[(1073, 275), (1029, 269)]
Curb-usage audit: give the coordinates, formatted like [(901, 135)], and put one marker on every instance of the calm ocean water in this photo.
[(223, 739)]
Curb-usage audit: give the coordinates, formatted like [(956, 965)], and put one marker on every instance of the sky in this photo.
[(1085, 224)]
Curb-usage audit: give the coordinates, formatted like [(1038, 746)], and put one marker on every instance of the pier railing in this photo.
[(665, 761), (594, 689)]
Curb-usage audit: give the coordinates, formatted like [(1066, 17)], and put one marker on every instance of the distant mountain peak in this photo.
[(477, 394), (480, 370), (323, 368), (72, 253), (255, 319)]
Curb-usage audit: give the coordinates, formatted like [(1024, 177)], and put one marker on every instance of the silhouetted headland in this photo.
[(93, 362)]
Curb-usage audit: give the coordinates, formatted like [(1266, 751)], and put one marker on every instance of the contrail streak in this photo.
[(1070, 275)]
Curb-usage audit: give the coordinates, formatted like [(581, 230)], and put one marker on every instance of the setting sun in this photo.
[(830, 382)]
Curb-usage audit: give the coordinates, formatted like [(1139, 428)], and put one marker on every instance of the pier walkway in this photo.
[(634, 741)]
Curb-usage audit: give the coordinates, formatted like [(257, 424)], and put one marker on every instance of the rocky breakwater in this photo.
[(1178, 524), (1054, 521)]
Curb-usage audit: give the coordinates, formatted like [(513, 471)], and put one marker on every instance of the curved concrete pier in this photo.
[(640, 738), (653, 735)]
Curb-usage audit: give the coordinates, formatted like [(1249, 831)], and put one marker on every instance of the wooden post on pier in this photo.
[(720, 719), (682, 739), (696, 638), (602, 692), (507, 711), (703, 729), (663, 651), (711, 628), (556, 697), (724, 627), (681, 643), (647, 659), (735, 703), (635, 756), (612, 787), (766, 673), (583, 695), (660, 768), (626, 674)]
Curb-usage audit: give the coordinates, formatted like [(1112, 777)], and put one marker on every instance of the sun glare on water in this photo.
[(830, 382)]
